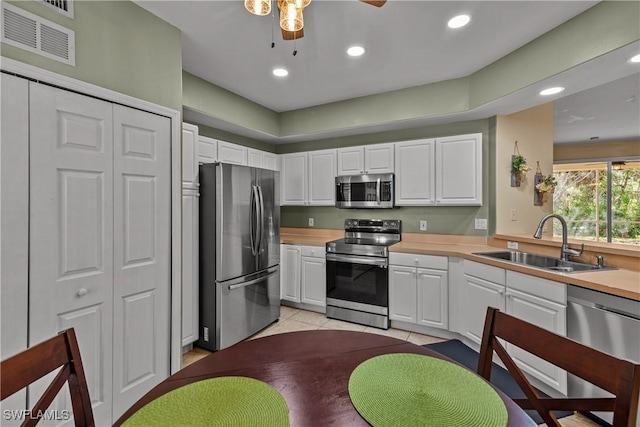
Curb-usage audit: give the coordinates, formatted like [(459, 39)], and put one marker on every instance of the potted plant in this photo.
[(519, 167)]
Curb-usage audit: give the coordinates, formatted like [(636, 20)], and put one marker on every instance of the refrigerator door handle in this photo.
[(253, 224), (260, 221), (270, 273)]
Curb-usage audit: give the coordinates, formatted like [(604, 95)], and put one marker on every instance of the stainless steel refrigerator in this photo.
[(239, 252)]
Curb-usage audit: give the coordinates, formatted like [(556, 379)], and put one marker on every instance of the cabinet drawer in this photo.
[(314, 251), (484, 271), (543, 288), (422, 261)]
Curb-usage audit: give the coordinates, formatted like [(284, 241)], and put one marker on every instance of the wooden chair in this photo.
[(32, 364), (617, 376)]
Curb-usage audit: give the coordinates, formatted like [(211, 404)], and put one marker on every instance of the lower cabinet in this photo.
[(418, 289), (303, 274), (532, 299)]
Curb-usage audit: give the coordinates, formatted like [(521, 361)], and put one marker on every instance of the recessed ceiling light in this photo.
[(635, 59), (280, 72), (355, 51), (459, 21), (552, 90)]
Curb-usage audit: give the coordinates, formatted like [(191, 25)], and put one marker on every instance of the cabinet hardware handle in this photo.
[(82, 292)]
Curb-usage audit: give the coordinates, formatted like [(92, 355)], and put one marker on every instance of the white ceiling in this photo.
[(408, 44)]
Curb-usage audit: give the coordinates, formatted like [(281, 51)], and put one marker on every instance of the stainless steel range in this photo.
[(357, 271)]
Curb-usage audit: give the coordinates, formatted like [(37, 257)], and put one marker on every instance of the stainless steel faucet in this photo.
[(565, 251)]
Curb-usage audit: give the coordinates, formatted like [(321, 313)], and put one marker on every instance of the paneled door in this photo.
[(71, 232), (141, 263)]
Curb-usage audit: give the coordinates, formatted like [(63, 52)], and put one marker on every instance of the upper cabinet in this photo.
[(415, 179), (232, 153), (308, 178), (376, 158), (207, 150), (459, 170), (263, 159), (189, 163), (441, 171)]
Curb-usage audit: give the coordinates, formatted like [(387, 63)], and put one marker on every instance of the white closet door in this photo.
[(14, 226), (71, 232), (142, 227)]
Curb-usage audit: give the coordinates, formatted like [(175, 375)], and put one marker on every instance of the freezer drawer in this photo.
[(246, 305)]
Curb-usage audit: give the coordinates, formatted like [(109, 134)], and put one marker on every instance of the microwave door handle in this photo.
[(378, 190)]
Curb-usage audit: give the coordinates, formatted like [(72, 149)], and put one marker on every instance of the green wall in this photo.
[(440, 219), (119, 46)]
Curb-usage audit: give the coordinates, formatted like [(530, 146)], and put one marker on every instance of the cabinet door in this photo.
[(271, 161), (402, 293), (415, 172), (378, 158), (313, 286), (232, 153), (322, 172), (293, 179), (207, 150), (545, 314), (433, 298), (459, 170), (190, 284), (189, 159), (291, 273), (350, 161), (478, 294), (255, 158)]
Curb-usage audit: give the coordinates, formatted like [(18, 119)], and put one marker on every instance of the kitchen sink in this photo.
[(543, 261)]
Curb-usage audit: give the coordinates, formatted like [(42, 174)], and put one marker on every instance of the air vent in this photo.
[(35, 34), (63, 6)]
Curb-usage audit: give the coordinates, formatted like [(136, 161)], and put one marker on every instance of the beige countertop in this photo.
[(621, 282)]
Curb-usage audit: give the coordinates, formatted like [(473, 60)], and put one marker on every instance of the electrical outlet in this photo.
[(512, 245), (423, 225), (514, 214), (310, 222), (481, 223)]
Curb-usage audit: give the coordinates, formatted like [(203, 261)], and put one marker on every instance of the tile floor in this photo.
[(293, 319)]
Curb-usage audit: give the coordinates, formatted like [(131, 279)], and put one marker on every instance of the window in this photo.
[(599, 200)]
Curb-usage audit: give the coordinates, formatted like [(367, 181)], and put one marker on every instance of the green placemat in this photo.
[(224, 401), (415, 390)]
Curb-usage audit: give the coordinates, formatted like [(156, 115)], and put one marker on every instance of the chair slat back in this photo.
[(61, 351), (618, 376)]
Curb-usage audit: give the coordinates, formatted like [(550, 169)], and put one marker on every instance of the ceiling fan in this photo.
[(290, 14)]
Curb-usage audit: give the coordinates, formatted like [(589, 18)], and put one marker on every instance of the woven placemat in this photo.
[(415, 390), (224, 401)]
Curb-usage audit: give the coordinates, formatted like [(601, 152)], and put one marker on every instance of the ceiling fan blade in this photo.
[(376, 3), (292, 35)]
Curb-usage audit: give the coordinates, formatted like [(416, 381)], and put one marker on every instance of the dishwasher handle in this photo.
[(631, 316)]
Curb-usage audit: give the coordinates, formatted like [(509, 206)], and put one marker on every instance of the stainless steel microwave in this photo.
[(372, 191)]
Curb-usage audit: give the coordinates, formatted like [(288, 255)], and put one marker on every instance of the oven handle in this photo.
[(351, 259)]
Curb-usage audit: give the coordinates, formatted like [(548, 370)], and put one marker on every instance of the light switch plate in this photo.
[(481, 224), (512, 245)]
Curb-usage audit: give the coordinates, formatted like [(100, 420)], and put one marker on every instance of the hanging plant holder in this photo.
[(518, 167), (538, 196)]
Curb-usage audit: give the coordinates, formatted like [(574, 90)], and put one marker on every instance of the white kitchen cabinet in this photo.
[(255, 158), (543, 303), (308, 178), (415, 172), (375, 158), (290, 267), (294, 178), (483, 286), (232, 153), (459, 170), (271, 161), (190, 254), (189, 157), (313, 276), (418, 289), (207, 151)]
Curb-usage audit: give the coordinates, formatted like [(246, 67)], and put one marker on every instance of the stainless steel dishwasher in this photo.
[(605, 322)]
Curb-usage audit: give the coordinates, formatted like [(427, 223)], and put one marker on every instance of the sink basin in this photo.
[(543, 261)]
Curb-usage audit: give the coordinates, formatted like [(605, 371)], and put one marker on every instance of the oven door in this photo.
[(358, 282)]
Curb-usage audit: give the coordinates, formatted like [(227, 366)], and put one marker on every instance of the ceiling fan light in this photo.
[(290, 16), (258, 7)]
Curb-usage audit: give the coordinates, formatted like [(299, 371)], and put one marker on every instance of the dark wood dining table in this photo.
[(310, 369)]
